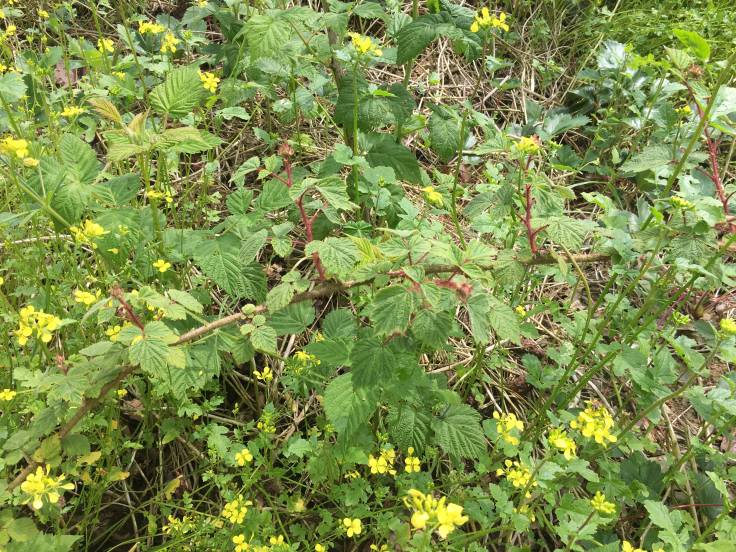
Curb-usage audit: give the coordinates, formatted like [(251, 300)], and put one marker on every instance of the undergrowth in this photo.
[(367, 276)]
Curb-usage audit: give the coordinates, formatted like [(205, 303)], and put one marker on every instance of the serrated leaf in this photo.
[(105, 108), (477, 306), (346, 407), (503, 320), (263, 339), (432, 327), (416, 36), (152, 349), (372, 362), (651, 158), (458, 432), (409, 427), (274, 196), (391, 309), (267, 35), (383, 151), (186, 300), (335, 192), (338, 255), (293, 319), (252, 245), (12, 87), (566, 231), (444, 134), (221, 263), (179, 94)]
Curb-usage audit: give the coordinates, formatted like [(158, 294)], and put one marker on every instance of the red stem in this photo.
[(307, 221), (531, 234)]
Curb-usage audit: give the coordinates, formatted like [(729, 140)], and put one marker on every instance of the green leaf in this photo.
[(566, 231), (179, 94), (477, 306), (274, 196), (187, 140), (432, 327), (219, 260), (79, 159), (152, 349), (21, 529), (391, 309), (660, 515), (293, 319), (338, 255), (252, 245), (503, 320), (263, 339), (335, 192), (694, 42), (372, 362), (444, 134), (409, 427), (346, 407), (416, 36), (651, 158), (383, 151), (12, 87), (458, 432), (267, 35), (186, 300)]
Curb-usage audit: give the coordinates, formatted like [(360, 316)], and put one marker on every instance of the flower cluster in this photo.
[(596, 423), (148, 27), (435, 514), (168, 44), (243, 457), (178, 526), (364, 45), (19, 148), (113, 331), (105, 45), (305, 358), (209, 81), (600, 504), (728, 326), (508, 427), (71, 111), (39, 486), (235, 510), (161, 265), (432, 196), (352, 526), (36, 322), (559, 438), (412, 463), (266, 422), (86, 298), (528, 145), (88, 232), (384, 463), (167, 196), (7, 395), (626, 546), (518, 474), (264, 375), (682, 203), (484, 20)]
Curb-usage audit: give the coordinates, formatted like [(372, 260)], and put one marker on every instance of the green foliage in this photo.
[(265, 280)]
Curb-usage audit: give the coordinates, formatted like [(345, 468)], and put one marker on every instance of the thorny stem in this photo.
[(307, 221)]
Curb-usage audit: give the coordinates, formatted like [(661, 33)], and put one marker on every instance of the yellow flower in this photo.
[(352, 475), (168, 44), (485, 20), (352, 526), (10, 30), (43, 14), (13, 146), (528, 145), (518, 474), (2, 14), (243, 457), (89, 231), (436, 514), (113, 331), (626, 546), (240, 544), (121, 393), (682, 203), (558, 438), (2, 280), (413, 463), (305, 358), (432, 196), (235, 510), (728, 326), (105, 45), (364, 44), (38, 322), (319, 548), (384, 463), (600, 504), (161, 265), (166, 196), (30, 162), (596, 423), (276, 540), (85, 297), (71, 111), (148, 27), (508, 426), (265, 375), (40, 486), (382, 548), (7, 395), (119, 74), (209, 81), (521, 311)]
